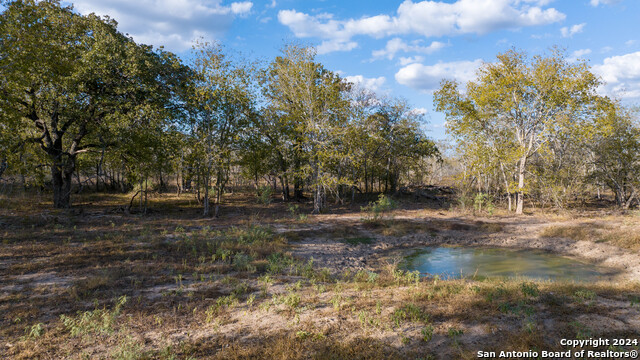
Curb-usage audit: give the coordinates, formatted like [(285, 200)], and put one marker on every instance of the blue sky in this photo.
[(400, 48)]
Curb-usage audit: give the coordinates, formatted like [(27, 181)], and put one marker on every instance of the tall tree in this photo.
[(528, 99), (310, 102), (614, 141), (223, 106), (71, 81)]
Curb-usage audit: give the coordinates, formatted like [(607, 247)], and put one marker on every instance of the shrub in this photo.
[(264, 194), (378, 208), (96, 321)]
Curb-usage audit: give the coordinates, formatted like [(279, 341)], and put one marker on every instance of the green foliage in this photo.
[(241, 247), (94, 322), (264, 195), (279, 263), (128, 349), (483, 200), (515, 106), (585, 295), (293, 209), (242, 262), (310, 109), (93, 87), (614, 140), (35, 331), (409, 312), (221, 106), (379, 208), (529, 289), (427, 333), (406, 277)]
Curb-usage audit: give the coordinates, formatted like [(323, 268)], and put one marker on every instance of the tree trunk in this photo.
[(61, 180), (317, 194), (206, 207), (146, 185), (521, 169), (141, 190), (298, 188), (98, 177), (178, 183), (285, 190), (162, 186), (629, 201), (3, 166)]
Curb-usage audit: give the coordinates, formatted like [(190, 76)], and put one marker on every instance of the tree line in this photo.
[(82, 104), (537, 127)]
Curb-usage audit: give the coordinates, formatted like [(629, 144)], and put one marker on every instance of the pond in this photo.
[(457, 262)]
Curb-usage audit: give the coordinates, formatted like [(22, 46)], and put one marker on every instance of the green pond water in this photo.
[(456, 262)]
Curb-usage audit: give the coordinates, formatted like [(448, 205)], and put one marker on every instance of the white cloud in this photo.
[(539, 2), (425, 18), (621, 75), (428, 77), (570, 31), (396, 44), (578, 54), (373, 84), (419, 111), (607, 2), (336, 45), (630, 42), (410, 60), (172, 23), (241, 8)]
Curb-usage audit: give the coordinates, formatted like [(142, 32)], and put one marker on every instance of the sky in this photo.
[(399, 48)]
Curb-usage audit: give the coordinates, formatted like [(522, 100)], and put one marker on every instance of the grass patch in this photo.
[(585, 232), (627, 239), (623, 239)]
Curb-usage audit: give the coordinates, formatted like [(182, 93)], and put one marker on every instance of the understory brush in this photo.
[(379, 209)]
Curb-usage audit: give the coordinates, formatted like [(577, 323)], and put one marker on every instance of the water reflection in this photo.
[(492, 262)]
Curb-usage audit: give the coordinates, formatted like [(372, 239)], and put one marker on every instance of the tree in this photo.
[(223, 107), (71, 83), (310, 102), (614, 141), (524, 100)]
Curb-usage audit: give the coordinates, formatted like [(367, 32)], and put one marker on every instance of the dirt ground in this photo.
[(264, 281)]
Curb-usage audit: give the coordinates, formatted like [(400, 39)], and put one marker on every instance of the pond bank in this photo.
[(341, 243)]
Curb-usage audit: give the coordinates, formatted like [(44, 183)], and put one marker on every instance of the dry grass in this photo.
[(227, 289), (582, 232), (623, 236), (624, 239)]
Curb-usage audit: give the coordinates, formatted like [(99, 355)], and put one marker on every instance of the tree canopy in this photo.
[(73, 84), (515, 107)]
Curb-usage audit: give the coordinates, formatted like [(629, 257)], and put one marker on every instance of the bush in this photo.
[(483, 200), (378, 208), (264, 194)]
